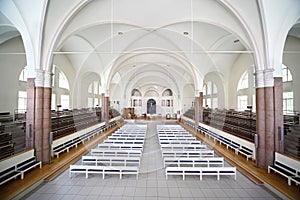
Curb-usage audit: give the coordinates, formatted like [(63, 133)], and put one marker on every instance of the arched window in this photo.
[(60, 89), (244, 81), (94, 94), (136, 92), (288, 94), (136, 98), (62, 81), (245, 90), (22, 94), (24, 74), (167, 92), (210, 95)]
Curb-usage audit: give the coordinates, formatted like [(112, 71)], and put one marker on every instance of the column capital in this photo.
[(48, 79), (39, 78), (264, 78), (259, 78), (269, 79)]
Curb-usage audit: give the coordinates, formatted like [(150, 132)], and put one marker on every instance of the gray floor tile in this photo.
[(151, 184)]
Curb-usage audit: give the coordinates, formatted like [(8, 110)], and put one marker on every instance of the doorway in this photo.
[(151, 106)]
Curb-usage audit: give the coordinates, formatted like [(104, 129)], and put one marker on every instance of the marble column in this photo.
[(46, 125), (38, 123), (278, 113), (269, 126), (102, 107), (260, 126), (196, 105), (201, 106), (30, 89), (106, 110)]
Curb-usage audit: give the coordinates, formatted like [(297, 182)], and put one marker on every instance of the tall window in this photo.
[(242, 102), (93, 94), (63, 81), (60, 89), (246, 90), (22, 101), (210, 95), (288, 94), (136, 98), (286, 74), (244, 81), (288, 102), (64, 100)]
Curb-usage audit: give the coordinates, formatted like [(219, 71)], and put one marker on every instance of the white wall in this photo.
[(292, 61), (11, 67)]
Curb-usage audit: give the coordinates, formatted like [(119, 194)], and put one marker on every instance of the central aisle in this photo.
[(151, 163)]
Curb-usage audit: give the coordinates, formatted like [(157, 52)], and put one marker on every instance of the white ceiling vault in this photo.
[(140, 43), (153, 43)]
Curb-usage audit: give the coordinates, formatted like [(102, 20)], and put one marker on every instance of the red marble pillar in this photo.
[(269, 126), (106, 110), (102, 107), (278, 113), (260, 127), (201, 106), (38, 123), (30, 89), (197, 111), (46, 125)]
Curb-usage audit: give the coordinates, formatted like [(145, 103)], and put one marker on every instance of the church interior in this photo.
[(144, 81)]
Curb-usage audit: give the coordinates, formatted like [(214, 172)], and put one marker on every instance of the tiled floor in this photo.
[(151, 183)]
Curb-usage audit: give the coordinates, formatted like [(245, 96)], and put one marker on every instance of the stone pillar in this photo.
[(30, 89), (106, 110), (46, 125), (278, 113), (269, 126), (38, 123), (201, 106), (197, 111), (103, 107), (260, 127)]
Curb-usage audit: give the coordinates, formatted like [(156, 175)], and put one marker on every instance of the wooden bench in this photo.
[(287, 167), (17, 165), (28, 164), (245, 151), (124, 136), (207, 162), (200, 171), (65, 144), (121, 142), (176, 139), (111, 161), (183, 147), (104, 170), (121, 146), (188, 154), (131, 153), (185, 142), (239, 145), (8, 174)]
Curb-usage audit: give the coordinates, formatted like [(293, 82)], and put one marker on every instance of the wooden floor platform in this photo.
[(18, 188)]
